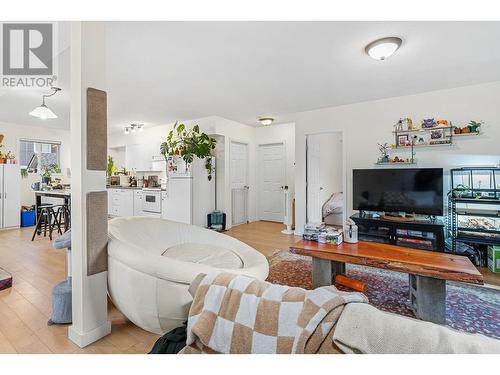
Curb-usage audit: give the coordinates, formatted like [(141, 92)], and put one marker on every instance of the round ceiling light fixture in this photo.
[(381, 49), (266, 120)]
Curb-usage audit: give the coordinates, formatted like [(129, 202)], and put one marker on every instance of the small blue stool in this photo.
[(61, 293)]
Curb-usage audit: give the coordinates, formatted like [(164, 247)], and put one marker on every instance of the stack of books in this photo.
[(320, 233)]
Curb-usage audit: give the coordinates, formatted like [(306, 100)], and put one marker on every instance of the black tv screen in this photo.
[(415, 190)]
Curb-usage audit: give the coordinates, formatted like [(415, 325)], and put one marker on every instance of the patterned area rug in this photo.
[(5, 279), (468, 308)]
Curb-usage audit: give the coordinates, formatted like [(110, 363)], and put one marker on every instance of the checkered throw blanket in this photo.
[(239, 314)]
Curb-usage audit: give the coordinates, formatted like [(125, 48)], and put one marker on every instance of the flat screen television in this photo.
[(415, 190)]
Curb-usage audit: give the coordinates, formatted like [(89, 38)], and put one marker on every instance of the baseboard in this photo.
[(87, 338)]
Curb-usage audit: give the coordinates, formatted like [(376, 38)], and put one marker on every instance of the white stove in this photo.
[(151, 202)]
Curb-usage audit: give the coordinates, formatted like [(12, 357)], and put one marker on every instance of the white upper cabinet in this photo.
[(139, 157)]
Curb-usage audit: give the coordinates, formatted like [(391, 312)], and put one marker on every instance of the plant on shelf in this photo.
[(474, 126), (111, 168), (48, 171), (384, 153), (188, 144), (460, 190)]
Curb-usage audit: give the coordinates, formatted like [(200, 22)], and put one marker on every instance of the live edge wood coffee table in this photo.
[(428, 270)]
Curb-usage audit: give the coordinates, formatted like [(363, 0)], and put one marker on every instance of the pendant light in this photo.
[(43, 112)]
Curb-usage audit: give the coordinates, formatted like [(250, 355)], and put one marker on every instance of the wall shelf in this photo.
[(398, 163), (422, 130), (466, 134)]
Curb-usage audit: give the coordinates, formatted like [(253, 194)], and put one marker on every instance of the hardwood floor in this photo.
[(264, 236), (36, 267), (25, 308)]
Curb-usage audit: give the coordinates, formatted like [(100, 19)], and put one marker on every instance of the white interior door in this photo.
[(272, 179), (314, 187), (239, 182)]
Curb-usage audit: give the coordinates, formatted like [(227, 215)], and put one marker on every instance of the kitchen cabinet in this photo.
[(137, 202), (139, 157), (122, 202)]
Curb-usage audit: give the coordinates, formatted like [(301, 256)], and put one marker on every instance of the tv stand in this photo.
[(424, 235)]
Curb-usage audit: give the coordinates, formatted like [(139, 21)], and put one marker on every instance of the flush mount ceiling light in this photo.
[(266, 120), (381, 49), (43, 112), (133, 128)]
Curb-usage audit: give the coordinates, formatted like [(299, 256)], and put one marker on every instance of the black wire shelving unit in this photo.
[(479, 187)]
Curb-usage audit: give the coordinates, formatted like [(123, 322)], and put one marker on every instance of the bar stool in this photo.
[(63, 215), (48, 219)]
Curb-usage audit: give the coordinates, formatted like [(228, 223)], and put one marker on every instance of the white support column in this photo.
[(88, 41)]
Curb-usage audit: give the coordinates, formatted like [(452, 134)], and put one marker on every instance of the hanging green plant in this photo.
[(188, 144)]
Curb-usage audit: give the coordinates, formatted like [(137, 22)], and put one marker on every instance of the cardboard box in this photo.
[(494, 258)]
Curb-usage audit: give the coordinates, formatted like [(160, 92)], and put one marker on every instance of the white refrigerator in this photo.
[(189, 195), (10, 195)]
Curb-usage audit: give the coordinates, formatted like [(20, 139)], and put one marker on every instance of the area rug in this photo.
[(5, 279), (468, 308)]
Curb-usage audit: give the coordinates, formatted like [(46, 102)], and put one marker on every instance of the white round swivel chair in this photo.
[(152, 261)]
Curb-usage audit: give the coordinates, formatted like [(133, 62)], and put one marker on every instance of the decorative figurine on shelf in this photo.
[(409, 123), (436, 134), (428, 123), (399, 126), (384, 153), (443, 123)]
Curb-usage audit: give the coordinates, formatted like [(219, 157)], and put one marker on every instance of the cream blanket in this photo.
[(363, 328), (239, 314)]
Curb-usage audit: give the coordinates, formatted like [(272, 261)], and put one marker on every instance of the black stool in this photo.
[(48, 219), (63, 215)]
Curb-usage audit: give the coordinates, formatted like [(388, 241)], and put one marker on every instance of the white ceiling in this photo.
[(159, 72), (15, 104)]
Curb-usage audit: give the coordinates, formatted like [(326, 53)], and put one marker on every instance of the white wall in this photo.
[(366, 124), (13, 133)]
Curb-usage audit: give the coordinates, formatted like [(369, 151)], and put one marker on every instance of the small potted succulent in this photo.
[(474, 126)]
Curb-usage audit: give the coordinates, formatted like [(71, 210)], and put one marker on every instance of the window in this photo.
[(47, 153)]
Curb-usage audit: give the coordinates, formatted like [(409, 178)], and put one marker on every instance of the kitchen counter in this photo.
[(130, 187), (122, 187)]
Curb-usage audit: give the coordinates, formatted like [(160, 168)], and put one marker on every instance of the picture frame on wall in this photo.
[(403, 140)]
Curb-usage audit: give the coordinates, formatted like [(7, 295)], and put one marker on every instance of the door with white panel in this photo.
[(11, 195), (272, 180), (239, 182)]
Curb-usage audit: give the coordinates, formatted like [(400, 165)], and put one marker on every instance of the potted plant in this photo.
[(461, 190), (48, 171), (188, 144), (24, 172), (111, 168), (474, 126)]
